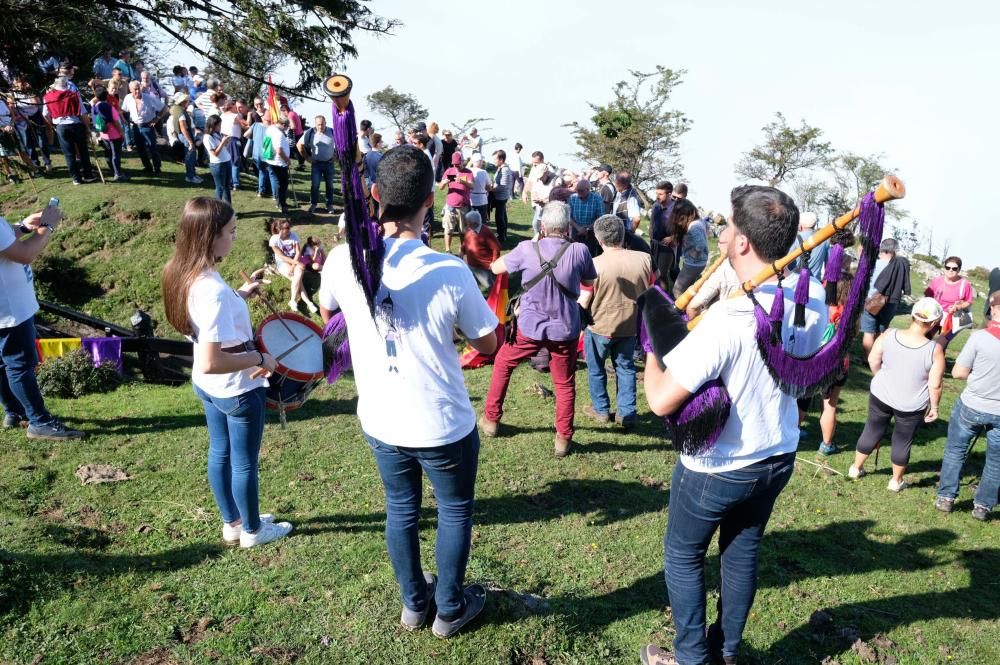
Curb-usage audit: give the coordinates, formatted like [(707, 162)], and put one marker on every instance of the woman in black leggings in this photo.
[(908, 369)]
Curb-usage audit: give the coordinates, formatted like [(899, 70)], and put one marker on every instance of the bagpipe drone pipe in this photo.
[(697, 424)]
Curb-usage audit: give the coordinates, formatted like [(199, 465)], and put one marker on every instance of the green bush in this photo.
[(74, 375), (926, 258), (979, 273)]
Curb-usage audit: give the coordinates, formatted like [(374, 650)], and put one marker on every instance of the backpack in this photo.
[(100, 124)]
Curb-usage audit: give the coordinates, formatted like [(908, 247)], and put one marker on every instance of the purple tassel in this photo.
[(834, 263), (801, 297), (644, 342), (364, 236), (801, 377), (336, 347), (698, 423)]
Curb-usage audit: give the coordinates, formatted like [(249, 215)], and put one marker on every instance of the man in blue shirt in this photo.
[(585, 206)]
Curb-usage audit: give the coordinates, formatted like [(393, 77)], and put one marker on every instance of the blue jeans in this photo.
[(145, 144), (621, 350), (236, 155), (73, 140), (190, 156), (263, 177), (223, 176), (18, 388), (322, 172), (279, 183), (452, 472), (738, 504), (966, 423), (235, 428)]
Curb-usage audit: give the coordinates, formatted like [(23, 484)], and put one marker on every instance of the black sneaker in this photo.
[(89, 178), (474, 600), (12, 420), (54, 431)]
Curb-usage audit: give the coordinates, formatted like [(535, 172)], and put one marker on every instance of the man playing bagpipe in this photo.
[(730, 485)]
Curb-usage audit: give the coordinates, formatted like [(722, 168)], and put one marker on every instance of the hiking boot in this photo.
[(827, 449), (231, 534), (267, 532), (854, 473), (412, 620), (896, 486), (54, 431), (627, 422), (944, 504), (562, 446), (651, 654), (489, 428), (980, 513), (474, 599), (596, 415), (12, 420)]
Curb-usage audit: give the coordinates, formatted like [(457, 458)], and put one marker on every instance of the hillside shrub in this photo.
[(74, 374)]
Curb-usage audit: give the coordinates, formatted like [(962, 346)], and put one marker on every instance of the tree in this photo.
[(459, 130), (635, 131), (243, 66), (315, 34), (784, 152), (401, 108), (809, 192), (854, 176), (908, 237)]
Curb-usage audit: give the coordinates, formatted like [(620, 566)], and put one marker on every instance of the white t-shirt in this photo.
[(280, 141), (411, 391), (480, 178), (763, 420), (212, 142), (219, 314), (286, 246), (17, 284)]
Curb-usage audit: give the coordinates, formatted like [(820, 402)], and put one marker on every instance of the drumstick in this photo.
[(246, 278), (284, 353)]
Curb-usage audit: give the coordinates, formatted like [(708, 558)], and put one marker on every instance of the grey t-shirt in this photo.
[(320, 143), (981, 354)]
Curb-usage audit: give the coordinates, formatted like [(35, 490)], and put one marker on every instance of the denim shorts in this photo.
[(881, 321)]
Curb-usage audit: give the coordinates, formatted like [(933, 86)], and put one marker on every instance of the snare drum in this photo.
[(297, 373)]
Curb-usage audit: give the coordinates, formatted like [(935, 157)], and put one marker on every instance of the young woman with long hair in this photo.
[(215, 317)]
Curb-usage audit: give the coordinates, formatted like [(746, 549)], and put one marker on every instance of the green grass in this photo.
[(135, 571)]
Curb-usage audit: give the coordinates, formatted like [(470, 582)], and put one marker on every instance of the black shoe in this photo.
[(54, 431), (12, 420), (474, 600)]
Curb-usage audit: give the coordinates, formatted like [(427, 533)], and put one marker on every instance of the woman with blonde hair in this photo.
[(214, 316)]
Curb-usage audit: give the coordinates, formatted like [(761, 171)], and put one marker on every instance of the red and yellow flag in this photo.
[(497, 301), (272, 101)]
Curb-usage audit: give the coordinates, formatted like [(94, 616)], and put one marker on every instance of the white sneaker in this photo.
[(294, 306), (855, 473), (231, 534), (894, 486), (313, 309), (267, 532)]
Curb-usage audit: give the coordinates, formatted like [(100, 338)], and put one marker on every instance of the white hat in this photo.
[(476, 157), (180, 97), (927, 310), (807, 220)]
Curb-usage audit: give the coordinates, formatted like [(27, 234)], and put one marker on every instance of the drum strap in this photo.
[(240, 348)]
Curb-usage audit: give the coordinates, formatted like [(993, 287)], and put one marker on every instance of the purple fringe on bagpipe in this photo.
[(801, 297), (801, 377), (834, 263), (336, 349), (364, 236)]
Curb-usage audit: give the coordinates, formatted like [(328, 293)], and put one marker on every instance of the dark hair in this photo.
[(404, 180), (623, 179), (681, 189), (212, 124), (178, 69), (518, 146), (843, 237), (277, 222), (665, 185), (201, 223), (192, 69), (539, 155), (365, 125), (683, 213), (423, 139), (101, 94), (767, 217), (501, 155), (376, 138), (952, 258)]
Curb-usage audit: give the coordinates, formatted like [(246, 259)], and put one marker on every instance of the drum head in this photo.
[(305, 363)]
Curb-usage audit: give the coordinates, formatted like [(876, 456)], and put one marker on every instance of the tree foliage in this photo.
[(635, 131), (315, 34), (855, 175), (784, 152), (243, 67), (401, 108)]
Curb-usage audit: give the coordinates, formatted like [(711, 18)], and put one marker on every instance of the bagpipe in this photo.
[(700, 420)]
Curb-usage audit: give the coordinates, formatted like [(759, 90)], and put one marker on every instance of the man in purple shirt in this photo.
[(549, 319)]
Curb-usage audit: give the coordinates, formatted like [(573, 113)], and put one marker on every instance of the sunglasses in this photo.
[(952, 268)]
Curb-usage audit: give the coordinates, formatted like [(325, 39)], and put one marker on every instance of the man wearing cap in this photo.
[(817, 257), (891, 278), (65, 108), (976, 412), (605, 187), (185, 134), (459, 181), (143, 109)]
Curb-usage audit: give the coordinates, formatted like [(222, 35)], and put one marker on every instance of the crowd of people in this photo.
[(583, 274)]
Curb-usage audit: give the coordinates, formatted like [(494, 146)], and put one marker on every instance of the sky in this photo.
[(913, 80)]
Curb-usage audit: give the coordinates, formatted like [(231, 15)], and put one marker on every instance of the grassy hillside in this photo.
[(571, 549)]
